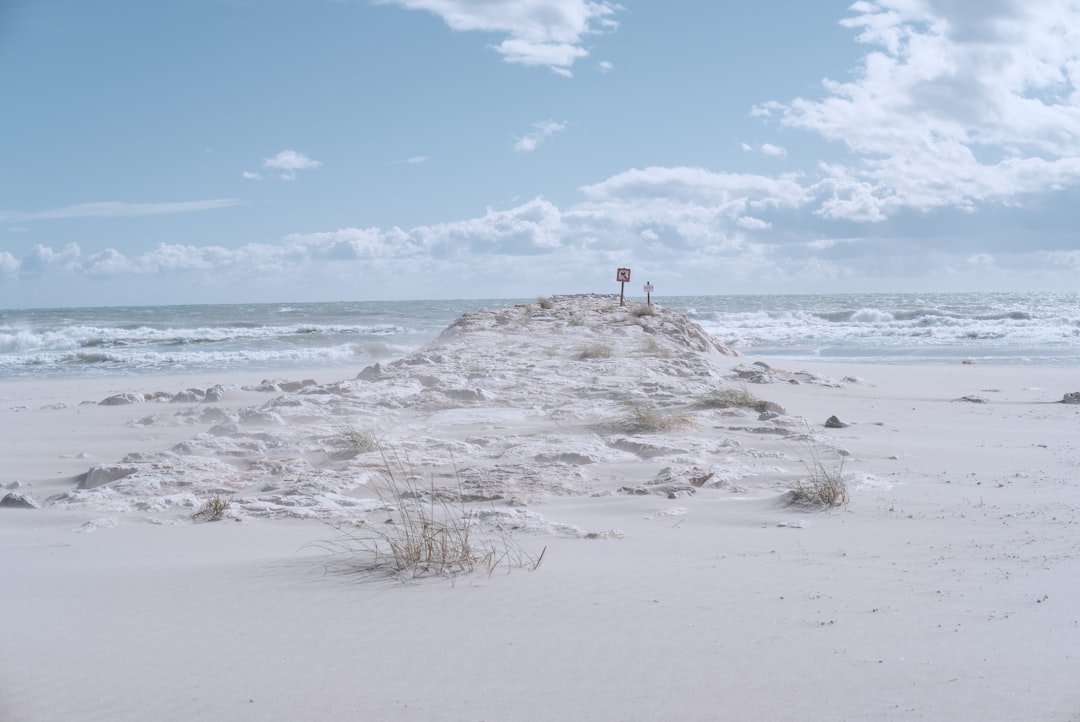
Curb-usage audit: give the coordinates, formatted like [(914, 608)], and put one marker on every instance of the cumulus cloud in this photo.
[(541, 132), (605, 67), (42, 259), (546, 33), (9, 265), (288, 162), (954, 105)]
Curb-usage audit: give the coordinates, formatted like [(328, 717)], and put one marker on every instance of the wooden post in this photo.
[(622, 275)]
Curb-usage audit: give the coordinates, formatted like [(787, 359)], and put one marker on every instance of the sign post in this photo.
[(622, 276), (648, 293)]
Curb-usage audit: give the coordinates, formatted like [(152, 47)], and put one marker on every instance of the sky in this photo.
[(220, 151)]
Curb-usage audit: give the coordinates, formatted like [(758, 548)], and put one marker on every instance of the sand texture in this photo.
[(627, 485)]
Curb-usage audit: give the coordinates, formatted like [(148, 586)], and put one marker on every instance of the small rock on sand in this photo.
[(15, 500)]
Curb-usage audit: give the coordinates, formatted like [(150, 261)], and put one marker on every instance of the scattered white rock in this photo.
[(94, 525), (123, 399), (16, 500)]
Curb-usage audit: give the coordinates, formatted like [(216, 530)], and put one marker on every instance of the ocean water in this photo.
[(1013, 328)]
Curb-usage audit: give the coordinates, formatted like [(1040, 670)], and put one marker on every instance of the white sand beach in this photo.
[(656, 568)]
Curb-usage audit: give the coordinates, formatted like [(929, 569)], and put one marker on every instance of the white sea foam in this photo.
[(1013, 328)]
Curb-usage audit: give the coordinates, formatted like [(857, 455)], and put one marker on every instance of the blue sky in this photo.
[(296, 150)]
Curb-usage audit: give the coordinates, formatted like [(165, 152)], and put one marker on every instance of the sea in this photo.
[(1002, 328)]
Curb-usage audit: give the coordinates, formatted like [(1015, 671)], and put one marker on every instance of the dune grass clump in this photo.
[(595, 351), (351, 441), (427, 533), (823, 487), (213, 509), (653, 348), (545, 303), (737, 398), (642, 416), (642, 310)]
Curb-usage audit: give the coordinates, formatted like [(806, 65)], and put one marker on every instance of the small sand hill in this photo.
[(570, 396)]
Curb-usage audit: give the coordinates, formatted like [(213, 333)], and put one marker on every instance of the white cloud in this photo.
[(533, 227), (605, 67), (541, 132), (700, 186), (768, 149), (417, 159), (119, 209), (752, 224), (547, 33), (9, 265), (42, 259), (289, 162), (250, 175), (957, 104)]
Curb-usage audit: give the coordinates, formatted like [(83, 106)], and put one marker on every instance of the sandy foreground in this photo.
[(675, 582)]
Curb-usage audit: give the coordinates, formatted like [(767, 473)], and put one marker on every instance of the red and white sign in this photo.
[(648, 288), (622, 275)]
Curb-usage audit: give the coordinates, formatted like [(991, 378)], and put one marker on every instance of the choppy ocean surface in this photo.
[(1013, 328)]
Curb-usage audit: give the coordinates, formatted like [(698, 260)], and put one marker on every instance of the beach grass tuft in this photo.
[(643, 416), (427, 533), (213, 509), (545, 303), (652, 348), (351, 441), (736, 398), (823, 486), (595, 351)]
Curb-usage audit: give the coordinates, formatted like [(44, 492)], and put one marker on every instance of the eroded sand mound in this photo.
[(573, 395)]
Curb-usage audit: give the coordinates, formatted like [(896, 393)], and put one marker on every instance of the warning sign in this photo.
[(622, 275)]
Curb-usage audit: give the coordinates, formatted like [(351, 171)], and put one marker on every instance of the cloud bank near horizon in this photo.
[(668, 219)]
